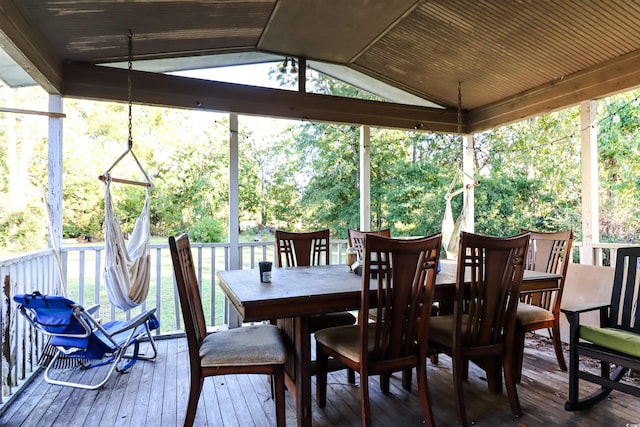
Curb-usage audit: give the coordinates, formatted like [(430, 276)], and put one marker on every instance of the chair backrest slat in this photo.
[(625, 295), (489, 276), (404, 272), (298, 249), (549, 252), (188, 292), (356, 238)]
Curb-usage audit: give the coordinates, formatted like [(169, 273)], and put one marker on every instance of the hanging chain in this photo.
[(459, 107), (460, 123), (130, 140)]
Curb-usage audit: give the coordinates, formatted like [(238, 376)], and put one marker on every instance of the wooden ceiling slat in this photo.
[(501, 51)]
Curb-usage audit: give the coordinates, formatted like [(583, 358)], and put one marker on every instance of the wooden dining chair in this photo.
[(298, 249), (481, 329), (356, 238), (245, 350), (301, 249), (405, 273), (540, 309)]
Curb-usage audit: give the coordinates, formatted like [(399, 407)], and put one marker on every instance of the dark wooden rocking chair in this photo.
[(616, 341)]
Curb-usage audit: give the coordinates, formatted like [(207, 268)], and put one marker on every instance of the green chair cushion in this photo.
[(615, 339), (528, 314)]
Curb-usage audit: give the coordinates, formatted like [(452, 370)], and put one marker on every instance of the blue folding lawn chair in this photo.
[(76, 335)]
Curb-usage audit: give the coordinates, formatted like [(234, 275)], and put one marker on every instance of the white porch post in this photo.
[(590, 203), (468, 181), (233, 318), (54, 166), (365, 178)]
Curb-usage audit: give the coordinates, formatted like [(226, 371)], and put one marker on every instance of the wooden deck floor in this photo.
[(155, 394)]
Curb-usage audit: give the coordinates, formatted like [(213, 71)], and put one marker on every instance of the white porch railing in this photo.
[(82, 268)]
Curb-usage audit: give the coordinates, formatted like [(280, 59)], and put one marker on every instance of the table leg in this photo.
[(303, 371)]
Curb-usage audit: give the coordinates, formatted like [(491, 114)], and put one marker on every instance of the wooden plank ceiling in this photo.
[(513, 59)]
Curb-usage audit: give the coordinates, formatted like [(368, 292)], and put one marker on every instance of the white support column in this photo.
[(365, 178), (468, 180), (590, 202), (233, 318), (54, 194)]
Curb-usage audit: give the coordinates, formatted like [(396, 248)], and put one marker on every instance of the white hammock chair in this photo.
[(451, 230), (127, 265)]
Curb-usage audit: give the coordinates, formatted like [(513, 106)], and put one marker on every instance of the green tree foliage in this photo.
[(530, 175), (305, 175), (619, 167)]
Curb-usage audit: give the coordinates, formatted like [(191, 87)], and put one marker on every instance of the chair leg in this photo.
[(423, 393), (557, 345), (465, 372), (384, 383), (574, 366), (518, 352), (493, 369), (322, 366), (194, 395), (278, 377), (364, 400), (458, 375), (510, 384), (351, 376), (406, 379)]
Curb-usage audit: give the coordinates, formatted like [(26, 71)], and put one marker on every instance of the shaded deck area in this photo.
[(155, 394)]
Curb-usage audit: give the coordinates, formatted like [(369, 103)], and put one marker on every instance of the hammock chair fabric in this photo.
[(447, 227), (450, 230), (127, 265)]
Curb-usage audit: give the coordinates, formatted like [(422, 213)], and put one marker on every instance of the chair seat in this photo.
[(245, 346), (615, 339), (527, 314), (330, 320), (345, 340), (441, 329)]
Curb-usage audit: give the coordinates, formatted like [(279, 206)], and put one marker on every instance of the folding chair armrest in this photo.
[(133, 323), (92, 309)]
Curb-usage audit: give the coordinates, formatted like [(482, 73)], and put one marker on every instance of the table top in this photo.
[(300, 291)]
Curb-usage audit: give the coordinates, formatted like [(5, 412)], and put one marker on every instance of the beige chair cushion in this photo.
[(441, 329), (345, 340), (330, 320), (528, 314), (249, 345)]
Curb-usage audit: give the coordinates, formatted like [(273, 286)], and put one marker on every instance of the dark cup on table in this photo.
[(265, 271)]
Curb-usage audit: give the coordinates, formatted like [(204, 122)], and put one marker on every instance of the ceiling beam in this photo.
[(617, 75), (29, 48), (110, 84)]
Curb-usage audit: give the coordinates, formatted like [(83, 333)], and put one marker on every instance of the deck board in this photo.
[(155, 394)]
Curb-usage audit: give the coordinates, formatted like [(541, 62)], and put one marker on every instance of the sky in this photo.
[(262, 128), (255, 75)]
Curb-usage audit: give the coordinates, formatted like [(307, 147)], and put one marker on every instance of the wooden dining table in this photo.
[(300, 292)]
